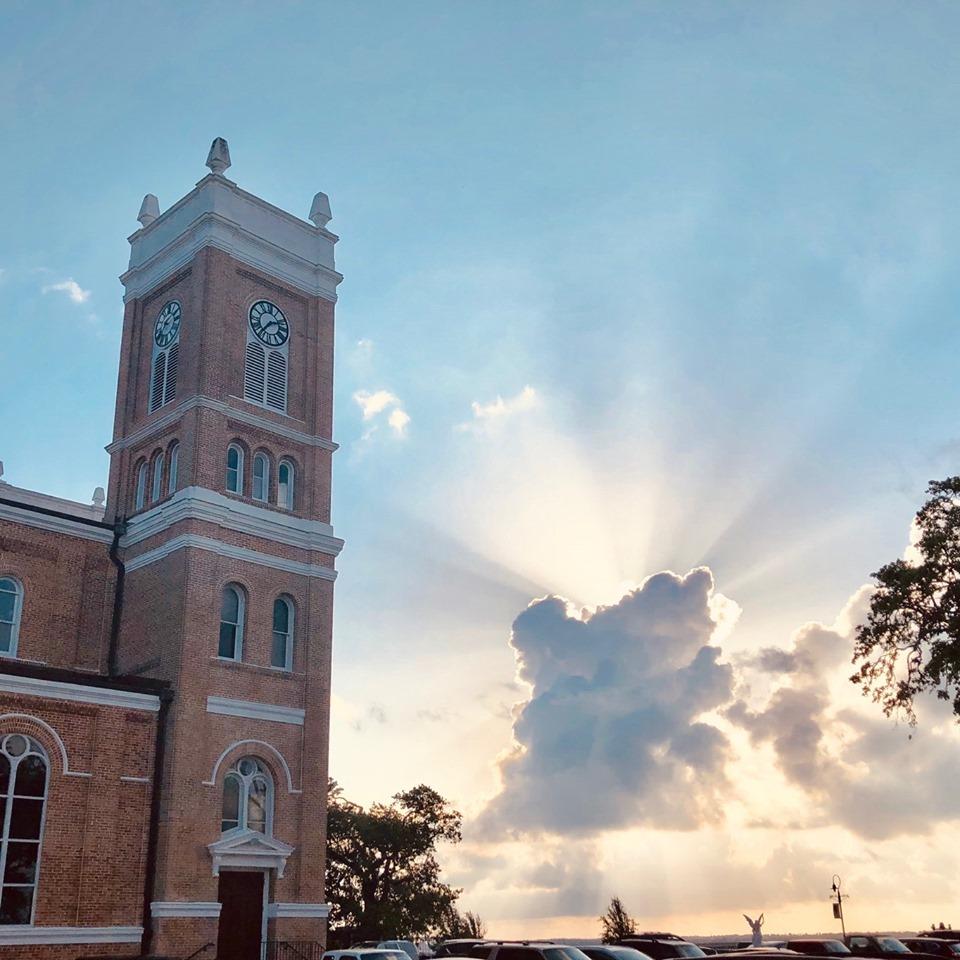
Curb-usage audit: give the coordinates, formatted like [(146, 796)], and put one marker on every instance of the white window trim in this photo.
[(241, 618), (156, 480), (246, 781), (37, 748), (17, 936), (291, 486), (239, 450), (173, 468), (263, 459), (287, 664), (255, 710), (140, 496), (17, 615)]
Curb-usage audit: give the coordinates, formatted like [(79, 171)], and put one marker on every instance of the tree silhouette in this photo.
[(617, 923)]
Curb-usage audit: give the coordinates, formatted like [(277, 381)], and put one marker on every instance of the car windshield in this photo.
[(628, 953), (689, 950), (835, 946), (564, 953), (892, 945)]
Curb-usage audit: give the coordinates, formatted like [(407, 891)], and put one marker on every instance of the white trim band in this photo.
[(42, 521), (316, 570), (14, 936), (253, 710), (244, 416), (184, 908), (55, 690), (319, 910), (210, 506)]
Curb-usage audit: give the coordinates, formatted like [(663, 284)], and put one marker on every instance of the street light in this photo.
[(838, 905)]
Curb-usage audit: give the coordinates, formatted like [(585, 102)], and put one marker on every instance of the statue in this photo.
[(755, 926)]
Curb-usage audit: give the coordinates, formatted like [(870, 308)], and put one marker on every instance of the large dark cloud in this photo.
[(611, 735), (863, 772)]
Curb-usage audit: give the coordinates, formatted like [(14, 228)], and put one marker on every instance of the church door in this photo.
[(241, 915)]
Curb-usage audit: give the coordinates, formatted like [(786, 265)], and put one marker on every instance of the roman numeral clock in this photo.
[(268, 323)]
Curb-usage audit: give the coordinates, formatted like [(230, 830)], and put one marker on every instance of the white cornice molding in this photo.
[(218, 213), (240, 848), (244, 416), (254, 710), (199, 503), (86, 511), (78, 693), (14, 936), (184, 908), (42, 521), (318, 910), (316, 570)]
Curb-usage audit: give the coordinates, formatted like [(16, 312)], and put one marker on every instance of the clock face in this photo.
[(167, 327), (268, 323)]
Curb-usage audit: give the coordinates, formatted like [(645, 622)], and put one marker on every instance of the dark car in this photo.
[(877, 945), (662, 946), (525, 950), (614, 952), (936, 946), (819, 947), (455, 948), (946, 933)]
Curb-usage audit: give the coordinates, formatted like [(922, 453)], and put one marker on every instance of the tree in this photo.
[(910, 643), (459, 926), (617, 923), (383, 879)]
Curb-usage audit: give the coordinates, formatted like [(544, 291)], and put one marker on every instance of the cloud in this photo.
[(876, 779), (611, 734), (398, 420), (373, 403), (488, 416), (71, 288)]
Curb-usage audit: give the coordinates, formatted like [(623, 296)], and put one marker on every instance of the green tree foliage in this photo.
[(910, 643), (617, 923), (383, 879)]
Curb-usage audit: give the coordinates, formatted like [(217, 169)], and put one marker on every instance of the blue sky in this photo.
[(702, 252)]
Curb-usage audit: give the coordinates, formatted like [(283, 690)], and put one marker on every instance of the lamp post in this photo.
[(838, 904)]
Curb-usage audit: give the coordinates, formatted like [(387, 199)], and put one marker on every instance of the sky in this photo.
[(646, 351)]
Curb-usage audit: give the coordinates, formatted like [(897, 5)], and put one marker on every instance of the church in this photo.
[(165, 651)]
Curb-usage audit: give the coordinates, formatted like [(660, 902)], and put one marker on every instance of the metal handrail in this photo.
[(197, 953)]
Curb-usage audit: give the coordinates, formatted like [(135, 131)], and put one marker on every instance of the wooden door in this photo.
[(241, 915)]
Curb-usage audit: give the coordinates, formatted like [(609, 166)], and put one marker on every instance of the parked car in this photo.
[(935, 945), (407, 948), (876, 945), (661, 946), (455, 948), (819, 947), (364, 953), (947, 933), (614, 952), (525, 950)]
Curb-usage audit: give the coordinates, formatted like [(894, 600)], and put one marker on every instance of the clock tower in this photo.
[(220, 489)]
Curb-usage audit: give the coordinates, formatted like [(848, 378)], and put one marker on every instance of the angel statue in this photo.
[(755, 926)]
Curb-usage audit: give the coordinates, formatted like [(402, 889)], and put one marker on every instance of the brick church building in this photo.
[(165, 654)]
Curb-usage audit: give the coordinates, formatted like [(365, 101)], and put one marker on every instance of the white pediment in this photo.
[(248, 849)]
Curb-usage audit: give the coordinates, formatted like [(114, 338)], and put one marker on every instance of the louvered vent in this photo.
[(173, 360), (254, 373), (156, 388), (277, 381)]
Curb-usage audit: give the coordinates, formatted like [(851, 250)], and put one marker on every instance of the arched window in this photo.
[(172, 469), (156, 488), (248, 797), (231, 624), (141, 495), (282, 652), (285, 475), (23, 793), (166, 355), (234, 469), (265, 356), (11, 606), (261, 477)]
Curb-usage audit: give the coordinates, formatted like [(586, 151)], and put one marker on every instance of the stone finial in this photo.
[(218, 159), (2, 481), (99, 497), (149, 210), (320, 210)]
